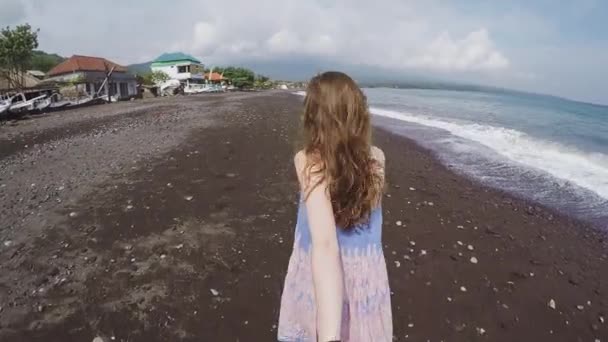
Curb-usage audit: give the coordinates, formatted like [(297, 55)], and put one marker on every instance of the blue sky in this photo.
[(540, 46)]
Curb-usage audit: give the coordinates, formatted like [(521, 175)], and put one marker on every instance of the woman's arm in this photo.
[(326, 262)]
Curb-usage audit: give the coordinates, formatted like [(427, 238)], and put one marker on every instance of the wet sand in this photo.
[(172, 219)]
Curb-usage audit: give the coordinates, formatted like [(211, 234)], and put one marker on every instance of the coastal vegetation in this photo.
[(16, 52)]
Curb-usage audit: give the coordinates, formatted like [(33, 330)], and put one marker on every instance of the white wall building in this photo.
[(180, 66)]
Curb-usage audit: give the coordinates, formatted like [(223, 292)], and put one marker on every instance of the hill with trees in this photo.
[(45, 61)]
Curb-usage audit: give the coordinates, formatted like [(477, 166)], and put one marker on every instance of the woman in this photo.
[(336, 288)]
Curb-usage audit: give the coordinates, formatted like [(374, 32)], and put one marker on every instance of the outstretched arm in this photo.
[(326, 262)]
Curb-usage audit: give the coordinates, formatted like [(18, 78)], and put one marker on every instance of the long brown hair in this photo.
[(337, 142)]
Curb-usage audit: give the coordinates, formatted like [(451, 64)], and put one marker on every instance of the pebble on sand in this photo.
[(8, 243), (423, 252), (214, 292), (463, 289), (98, 339), (552, 304), (412, 189), (481, 331), (580, 307), (470, 247), (188, 198), (459, 243), (397, 264), (73, 214), (399, 223), (473, 260)]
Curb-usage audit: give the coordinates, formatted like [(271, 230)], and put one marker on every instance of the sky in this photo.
[(539, 46)]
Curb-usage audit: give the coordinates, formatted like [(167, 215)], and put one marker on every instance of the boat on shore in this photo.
[(20, 104), (5, 103), (58, 102)]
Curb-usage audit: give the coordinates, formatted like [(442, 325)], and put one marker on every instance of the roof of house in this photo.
[(214, 76), (85, 63), (175, 56)]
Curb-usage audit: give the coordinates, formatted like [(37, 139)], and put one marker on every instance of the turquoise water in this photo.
[(544, 148)]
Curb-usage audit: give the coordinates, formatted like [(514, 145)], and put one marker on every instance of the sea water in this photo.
[(548, 149)]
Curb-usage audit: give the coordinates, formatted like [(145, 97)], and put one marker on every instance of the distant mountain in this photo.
[(139, 68), (367, 76), (304, 69), (45, 61)]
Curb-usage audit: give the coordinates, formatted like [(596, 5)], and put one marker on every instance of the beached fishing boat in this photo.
[(194, 88), (23, 105), (5, 103), (58, 102), (169, 87), (42, 104), (84, 101)]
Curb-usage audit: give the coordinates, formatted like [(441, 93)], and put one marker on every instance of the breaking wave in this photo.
[(584, 169)]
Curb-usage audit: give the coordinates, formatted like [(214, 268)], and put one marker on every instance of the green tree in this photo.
[(154, 77), (240, 77), (262, 78), (262, 82), (16, 50)]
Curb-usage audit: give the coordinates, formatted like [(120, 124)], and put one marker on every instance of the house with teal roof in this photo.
[(180, 66)]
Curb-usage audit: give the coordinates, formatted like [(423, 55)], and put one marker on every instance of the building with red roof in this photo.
[(89, 73), (214, 77)]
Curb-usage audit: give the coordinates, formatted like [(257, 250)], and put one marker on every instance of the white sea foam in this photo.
[(587, 170), (300, 92)]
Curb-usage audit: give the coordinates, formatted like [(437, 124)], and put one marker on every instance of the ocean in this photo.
[(547, 149)]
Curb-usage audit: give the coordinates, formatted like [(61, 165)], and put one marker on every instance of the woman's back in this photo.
[(336, 286), (362, 235), (366, 306)]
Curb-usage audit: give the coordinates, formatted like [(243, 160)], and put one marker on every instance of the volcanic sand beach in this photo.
[(171, 219)]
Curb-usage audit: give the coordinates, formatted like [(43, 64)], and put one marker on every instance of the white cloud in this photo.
[(11, 12), (475, 52), (384, 33), (401, 38), (205, 37)]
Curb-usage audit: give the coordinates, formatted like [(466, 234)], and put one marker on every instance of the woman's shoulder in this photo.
[(300, 160), (378, 154)]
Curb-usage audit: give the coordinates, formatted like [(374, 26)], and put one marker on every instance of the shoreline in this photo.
[(190, 241), (530, 206)]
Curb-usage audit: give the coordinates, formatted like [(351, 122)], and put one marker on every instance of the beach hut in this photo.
[(214, 77)]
